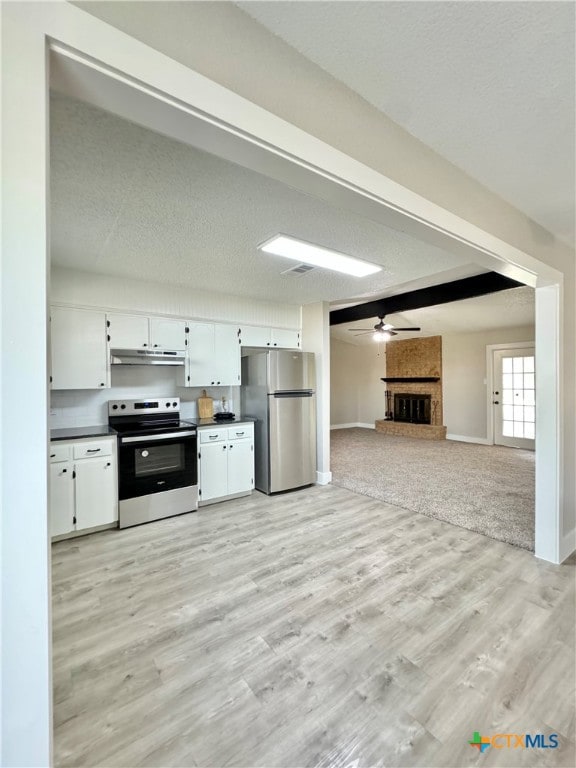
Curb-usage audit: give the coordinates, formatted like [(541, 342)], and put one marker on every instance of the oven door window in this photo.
[(159, 460), (157, 465)]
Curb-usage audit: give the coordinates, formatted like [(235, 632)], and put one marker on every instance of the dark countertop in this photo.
[(75, 433), (215, 423)]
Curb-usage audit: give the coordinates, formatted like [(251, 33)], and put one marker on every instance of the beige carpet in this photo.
[(487, 489)]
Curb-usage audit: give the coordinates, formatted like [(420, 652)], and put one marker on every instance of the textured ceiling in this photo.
[(506, 309), (488, 85), (126, 201)]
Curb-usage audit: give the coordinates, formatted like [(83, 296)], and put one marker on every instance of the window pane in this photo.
[(518, 429), (507, 381), (529, 431), (518, 381), (518, 413), (507, 396), (529, 397), (528, 381), (517, 364), (507, 412), (528, 365), (508, 428), (506, 365), (529, 414)]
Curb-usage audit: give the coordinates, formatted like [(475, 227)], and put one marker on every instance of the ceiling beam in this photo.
[(467, 288)]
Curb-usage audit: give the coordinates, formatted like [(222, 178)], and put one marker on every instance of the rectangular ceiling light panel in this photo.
[(290, 248)]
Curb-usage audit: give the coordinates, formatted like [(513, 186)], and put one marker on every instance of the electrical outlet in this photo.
[(52, 411)]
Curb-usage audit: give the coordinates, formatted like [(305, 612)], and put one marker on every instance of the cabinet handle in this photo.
[(52, 455), (155, 345), (93, 450), (212, 437), (64, 470), (239, 434), (108, 464), (144, 345), (102, 384), (217, 382), (223, 447), (231, 447)]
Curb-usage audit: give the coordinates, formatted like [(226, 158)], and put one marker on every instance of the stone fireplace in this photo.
[(413, 389)]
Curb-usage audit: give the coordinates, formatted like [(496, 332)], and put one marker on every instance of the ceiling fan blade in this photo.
[(367, 330), (407, 329), (362, 334)]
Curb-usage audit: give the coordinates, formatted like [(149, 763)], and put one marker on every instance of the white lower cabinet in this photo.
[(83, 485), (61, 498), (225, 462)]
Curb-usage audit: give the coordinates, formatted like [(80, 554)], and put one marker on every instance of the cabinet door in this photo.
[(96, 492), (281, 337), (254, 336), (78, 349), (213, 471), (227, 355), (240, 466), (167, 334), (200, 358), (61, 498), (128, 331)]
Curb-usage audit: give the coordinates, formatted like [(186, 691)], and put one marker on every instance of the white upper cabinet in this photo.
[(140, 332), (227, 355), (200, 357), (213, 358), (79, 352), (128, 331), (254, 336), (167, 334), (281, 338)]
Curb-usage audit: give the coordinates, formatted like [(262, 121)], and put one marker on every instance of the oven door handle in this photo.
[(148, 438)]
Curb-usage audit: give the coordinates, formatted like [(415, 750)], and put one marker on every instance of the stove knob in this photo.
[(122, 406), (114, 407), (167, 405), (174, 404)]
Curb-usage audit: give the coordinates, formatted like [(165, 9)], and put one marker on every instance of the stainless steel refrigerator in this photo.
[(278, 390)]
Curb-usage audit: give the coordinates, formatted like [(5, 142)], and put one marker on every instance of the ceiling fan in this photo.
[(382, 331)]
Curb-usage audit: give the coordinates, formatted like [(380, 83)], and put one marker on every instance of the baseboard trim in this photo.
[(323, 478), (350, 426), (567, 545), (466, 439)]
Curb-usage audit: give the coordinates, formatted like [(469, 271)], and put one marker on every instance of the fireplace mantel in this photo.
[(413, 379)]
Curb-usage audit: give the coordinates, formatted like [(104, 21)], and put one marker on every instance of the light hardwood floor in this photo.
[(318, 628)]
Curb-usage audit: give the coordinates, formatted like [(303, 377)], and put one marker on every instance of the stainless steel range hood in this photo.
[(146, 357)]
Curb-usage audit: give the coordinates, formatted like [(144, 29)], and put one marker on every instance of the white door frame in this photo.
[(28, 30), (490, 348)]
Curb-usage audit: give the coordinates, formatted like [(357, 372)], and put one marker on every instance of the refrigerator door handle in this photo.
[(294, 393)]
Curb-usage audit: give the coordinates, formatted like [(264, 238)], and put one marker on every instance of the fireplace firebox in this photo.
[(414, 409)]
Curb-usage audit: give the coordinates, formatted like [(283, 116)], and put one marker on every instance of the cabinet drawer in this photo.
[(59, 452), (91, 450), (212, 435), (240, 432)]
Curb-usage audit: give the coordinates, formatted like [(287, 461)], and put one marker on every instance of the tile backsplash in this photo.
[(83, 407)]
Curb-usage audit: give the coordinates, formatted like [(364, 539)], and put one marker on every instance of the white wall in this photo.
[(357, 394), (316, 338), (86, 289), (464, 378)]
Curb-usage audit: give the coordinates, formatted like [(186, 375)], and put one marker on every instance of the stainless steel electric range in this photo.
[(157, 466)]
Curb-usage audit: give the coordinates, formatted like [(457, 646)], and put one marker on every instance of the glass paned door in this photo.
[(514, 403)]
